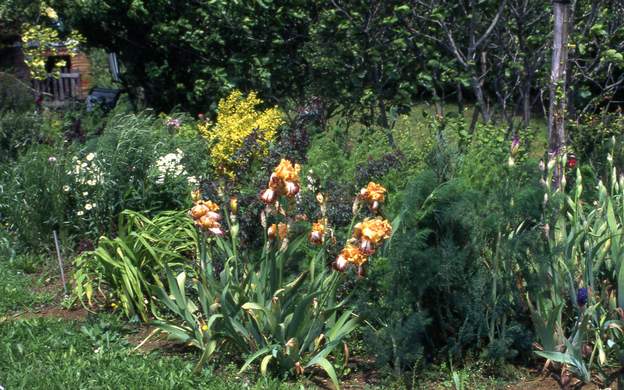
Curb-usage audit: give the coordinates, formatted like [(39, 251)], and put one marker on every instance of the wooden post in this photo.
[(74, 88), (556, 115), (61, 88)]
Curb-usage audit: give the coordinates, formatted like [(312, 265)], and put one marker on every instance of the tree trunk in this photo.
[(526, 105), (474, 120), (383, 119), (487, 114), (481, 103), (437, 101), (558, 96), (460, 99)]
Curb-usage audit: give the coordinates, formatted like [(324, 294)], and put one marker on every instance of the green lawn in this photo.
[(56, 354), (20, 287)]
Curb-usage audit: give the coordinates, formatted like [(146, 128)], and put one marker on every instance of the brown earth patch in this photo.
[(48, 282), (157, 340), (546, 383), (363, 373), (78, 314)]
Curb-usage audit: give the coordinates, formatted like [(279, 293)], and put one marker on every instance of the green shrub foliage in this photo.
[(446, 286)]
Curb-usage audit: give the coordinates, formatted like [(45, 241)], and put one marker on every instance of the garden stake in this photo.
[(60, 260)]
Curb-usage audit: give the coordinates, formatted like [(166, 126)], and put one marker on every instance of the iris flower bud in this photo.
[(581, 296)]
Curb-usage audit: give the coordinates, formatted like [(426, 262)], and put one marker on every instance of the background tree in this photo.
[(191, 53), (364, 60), (521, 40), (463, 29), (360, 60), (558, 95), (13, 13), (39, 31), (596, 57)]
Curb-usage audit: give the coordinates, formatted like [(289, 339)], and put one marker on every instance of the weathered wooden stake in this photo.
[(60, 260)]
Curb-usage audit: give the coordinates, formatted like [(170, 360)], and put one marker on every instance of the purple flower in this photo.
[(581, 296), (175, 123)]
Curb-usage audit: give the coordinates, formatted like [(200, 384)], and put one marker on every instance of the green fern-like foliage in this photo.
[(446, 285)]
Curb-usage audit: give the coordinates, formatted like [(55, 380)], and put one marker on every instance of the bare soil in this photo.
[(77, 314), (156, 341)]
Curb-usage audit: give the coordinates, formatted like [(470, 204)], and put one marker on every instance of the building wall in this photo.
[(80, 64)]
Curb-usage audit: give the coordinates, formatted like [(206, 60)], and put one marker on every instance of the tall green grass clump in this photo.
[(81, 186)]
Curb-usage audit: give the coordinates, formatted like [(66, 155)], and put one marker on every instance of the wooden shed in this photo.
[(74, 81)]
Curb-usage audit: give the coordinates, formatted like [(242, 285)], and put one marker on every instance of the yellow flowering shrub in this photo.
[(237, 119)]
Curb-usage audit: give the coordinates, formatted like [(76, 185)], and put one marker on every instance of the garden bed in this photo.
[(157, 350)]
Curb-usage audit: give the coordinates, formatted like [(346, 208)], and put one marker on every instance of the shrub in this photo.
[(142, 167), (591, 139), (241, 132), (445, 286), (81, 189), (20, 130), (15, 95), (340, 163)]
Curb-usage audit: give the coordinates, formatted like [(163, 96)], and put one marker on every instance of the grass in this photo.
[(56, 354), (418, 120), (20, 288), (537, 124), (48, 353)]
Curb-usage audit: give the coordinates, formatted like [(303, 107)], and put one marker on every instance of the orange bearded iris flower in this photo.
[(371, 232), (374, 194), (269, 195), (279, 230), (350, 254), (286, 171), (206, 216), (198, 211), (317, 234), (210, 224), (283, 181)]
